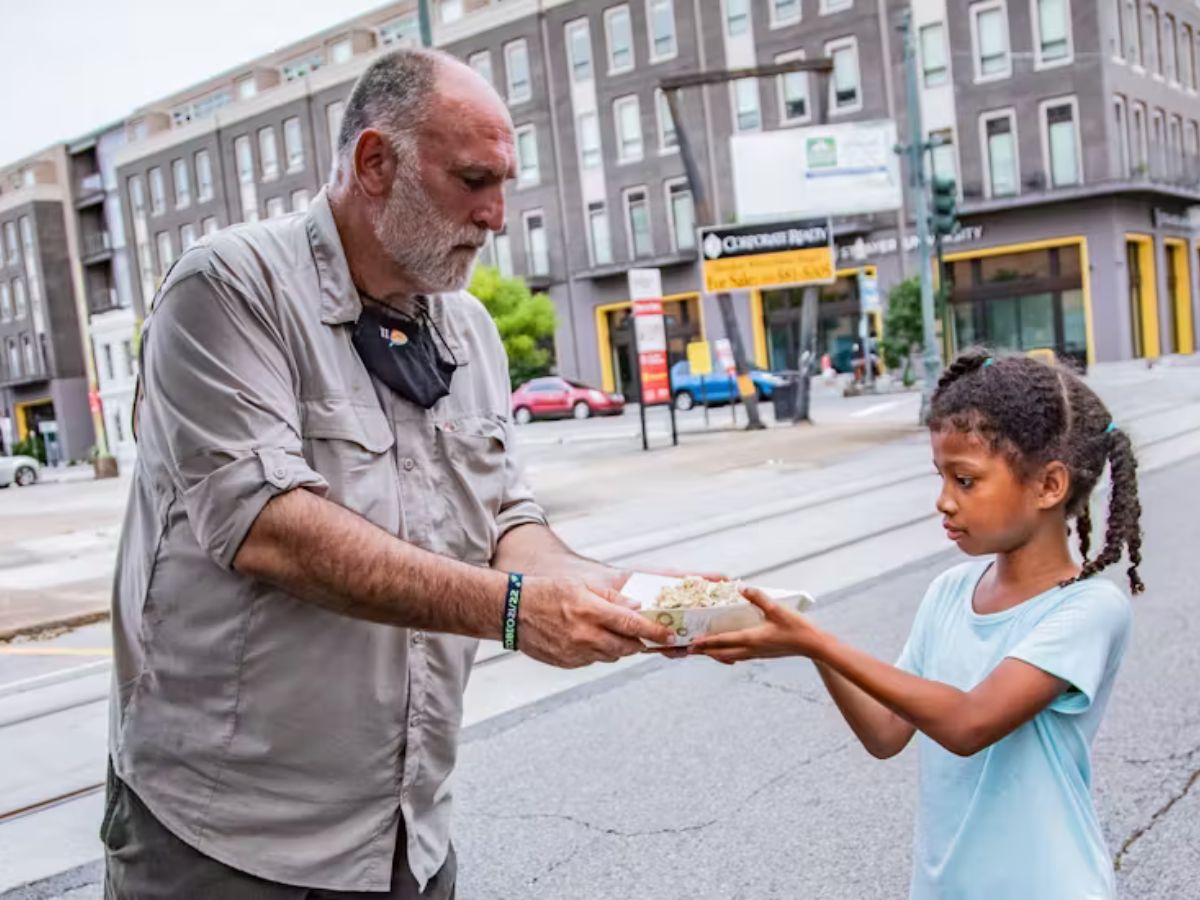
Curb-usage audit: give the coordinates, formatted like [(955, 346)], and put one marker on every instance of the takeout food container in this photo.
[(689, 624)]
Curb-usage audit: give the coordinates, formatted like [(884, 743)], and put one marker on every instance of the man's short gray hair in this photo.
[(395, 95)]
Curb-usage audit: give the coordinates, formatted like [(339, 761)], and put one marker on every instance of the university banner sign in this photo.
[(768, 255)]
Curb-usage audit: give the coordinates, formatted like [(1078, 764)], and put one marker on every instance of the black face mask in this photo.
[(401, 353)]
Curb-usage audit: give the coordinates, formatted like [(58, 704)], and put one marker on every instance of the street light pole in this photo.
[(916, 164)]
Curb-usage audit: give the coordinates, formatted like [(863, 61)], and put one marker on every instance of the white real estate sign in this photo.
[(825, 170)]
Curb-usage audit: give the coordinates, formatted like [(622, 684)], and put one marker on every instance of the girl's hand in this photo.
[(783, 633)]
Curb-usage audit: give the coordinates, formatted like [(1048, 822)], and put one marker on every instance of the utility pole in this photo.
[(424, 23), (700, 203), (915, 151)]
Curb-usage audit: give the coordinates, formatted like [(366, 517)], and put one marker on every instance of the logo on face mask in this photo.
[(394, 336)]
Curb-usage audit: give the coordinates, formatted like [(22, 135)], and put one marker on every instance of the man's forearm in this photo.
[(536, 550), (323, 553)]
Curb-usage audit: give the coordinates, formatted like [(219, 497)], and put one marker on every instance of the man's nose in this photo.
[(490, 214)]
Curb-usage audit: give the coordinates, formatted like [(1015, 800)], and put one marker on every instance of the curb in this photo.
[(77, 620)]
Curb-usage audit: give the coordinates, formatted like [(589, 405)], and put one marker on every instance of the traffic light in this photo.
[(945, 206)]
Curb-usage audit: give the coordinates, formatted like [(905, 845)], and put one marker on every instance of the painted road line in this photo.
[(875, 409), (50, 679), (55, 651)]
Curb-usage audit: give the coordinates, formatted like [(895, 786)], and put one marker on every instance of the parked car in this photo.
[(718, 387), (560, 398), (19, 470)]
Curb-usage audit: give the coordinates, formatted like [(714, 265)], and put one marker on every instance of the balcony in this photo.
[(89, 191), (102, 300), (97, 247)]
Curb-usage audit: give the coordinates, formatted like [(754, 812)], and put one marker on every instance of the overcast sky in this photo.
[(69, 66)]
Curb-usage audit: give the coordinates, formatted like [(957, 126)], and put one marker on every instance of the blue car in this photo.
[(718, 387)]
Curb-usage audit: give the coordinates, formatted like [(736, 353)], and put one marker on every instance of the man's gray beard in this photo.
[(419, 239)]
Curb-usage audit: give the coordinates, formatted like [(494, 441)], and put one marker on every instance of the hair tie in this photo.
[(1112, 426), (987, 362)]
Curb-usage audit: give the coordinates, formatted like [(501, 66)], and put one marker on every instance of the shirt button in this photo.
[(409, 465), (414, 720), (280, 472), (418, 638)]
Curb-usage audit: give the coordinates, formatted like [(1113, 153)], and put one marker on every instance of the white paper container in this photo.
[(689, 624)]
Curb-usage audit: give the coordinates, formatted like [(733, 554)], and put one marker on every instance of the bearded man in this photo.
[(325, 516)]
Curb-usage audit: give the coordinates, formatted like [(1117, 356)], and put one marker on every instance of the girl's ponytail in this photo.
[(1124, 530)]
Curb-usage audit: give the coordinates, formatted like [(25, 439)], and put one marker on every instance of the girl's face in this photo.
[(986, 506)]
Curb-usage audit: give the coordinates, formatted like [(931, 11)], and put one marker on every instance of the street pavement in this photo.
[(644, 779)]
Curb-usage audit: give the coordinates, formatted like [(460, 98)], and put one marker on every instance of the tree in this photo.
[(526, 321), (902, 329)]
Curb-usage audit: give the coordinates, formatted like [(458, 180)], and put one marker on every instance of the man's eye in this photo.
[(473, 182)]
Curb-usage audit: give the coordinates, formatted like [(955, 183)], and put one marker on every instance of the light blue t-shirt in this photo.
[(1016, 819)]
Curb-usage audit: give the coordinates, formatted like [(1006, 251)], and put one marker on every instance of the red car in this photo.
[(557, 398)]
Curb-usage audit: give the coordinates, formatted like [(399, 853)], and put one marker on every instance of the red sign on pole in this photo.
[(94, 400), (651, 334)]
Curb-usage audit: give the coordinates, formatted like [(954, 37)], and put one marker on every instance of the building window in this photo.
[(619, 33), (943, 159), (538, 254), (1193, 140), (137, 203), (637, 220), (166, 252), (793, 91), (275, 208), (668, 138), (481, 62), (832, 6), (579, 49), (20, 300), (661, 16), (293, 144), (204, 177), (268, 154), (6, 312), (747, 115), (1150, 38), (1121, 123), (158, 192), (14, 360), (601, 240), (589, 141), (628, 118), (1187, 57), (209, 226), (183, 184), (300, 201), (1052, 32), (503, 248), (1139, 140), (933, 55), (784, 12), (342, 50), (1061, 138), (1000, 153), (403, 31), (10, 234), (110, 371), (333, 121), (298, 68), (187, 236), (682, 213), (450, 11), (845, 95), (737, 17), (989, 32), (527, 156), (516, 64), (1169, 48), (244, 154), (31, 363), (247, 87)]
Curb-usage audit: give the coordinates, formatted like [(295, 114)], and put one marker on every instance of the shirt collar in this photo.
[(339, 297)]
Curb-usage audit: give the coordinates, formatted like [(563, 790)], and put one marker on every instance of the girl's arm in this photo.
[(964, 722), (881, 731)]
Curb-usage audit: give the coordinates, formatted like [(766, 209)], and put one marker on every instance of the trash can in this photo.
[(786, 395)]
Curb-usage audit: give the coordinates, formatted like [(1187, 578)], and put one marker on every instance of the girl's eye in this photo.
[(964, 481)]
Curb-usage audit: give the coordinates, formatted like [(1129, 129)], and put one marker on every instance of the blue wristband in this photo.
[(511, 602)]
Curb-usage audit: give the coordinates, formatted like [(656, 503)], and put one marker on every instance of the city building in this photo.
[(1071, 128)]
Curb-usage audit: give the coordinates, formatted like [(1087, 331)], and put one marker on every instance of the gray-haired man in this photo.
[(290, 664)]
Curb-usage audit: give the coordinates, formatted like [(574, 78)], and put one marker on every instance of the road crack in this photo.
[(1159, 813), (753, 677)]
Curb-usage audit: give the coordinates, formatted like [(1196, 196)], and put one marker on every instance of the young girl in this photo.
[(1011, 659)]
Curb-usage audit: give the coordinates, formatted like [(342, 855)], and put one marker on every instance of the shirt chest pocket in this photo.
[(350, 445), (475, 449)]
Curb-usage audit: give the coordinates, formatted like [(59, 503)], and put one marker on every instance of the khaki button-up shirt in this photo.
[(269, 733)]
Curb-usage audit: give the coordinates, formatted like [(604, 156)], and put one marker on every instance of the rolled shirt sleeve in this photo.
[(221, 391), (518, 506)]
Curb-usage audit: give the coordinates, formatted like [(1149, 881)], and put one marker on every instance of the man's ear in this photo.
[(374, 163), (1054, 485)]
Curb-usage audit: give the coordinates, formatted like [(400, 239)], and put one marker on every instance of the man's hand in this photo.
[(565, 623)]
